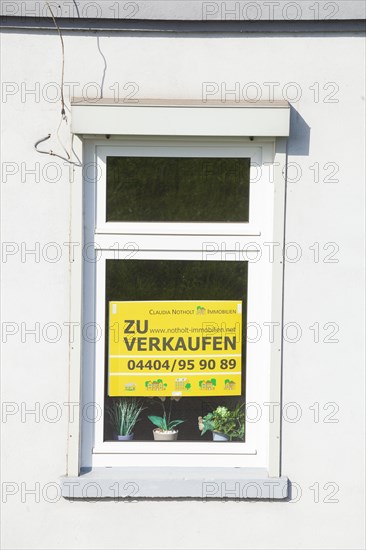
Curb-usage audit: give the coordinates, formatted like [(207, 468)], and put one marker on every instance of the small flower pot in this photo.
[(218, 436), (159, 435), (128, 437)]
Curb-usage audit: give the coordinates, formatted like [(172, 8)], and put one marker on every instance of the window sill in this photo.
[(202, 483)]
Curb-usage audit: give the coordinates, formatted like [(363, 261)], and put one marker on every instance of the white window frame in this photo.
[(95, 452), (181, 148)]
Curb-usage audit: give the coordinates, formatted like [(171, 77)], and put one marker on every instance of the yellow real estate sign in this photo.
[(179, 348)]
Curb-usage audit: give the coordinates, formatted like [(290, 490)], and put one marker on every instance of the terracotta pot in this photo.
[(165, 436)]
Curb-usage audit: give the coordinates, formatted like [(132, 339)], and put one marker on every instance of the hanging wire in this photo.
[(63, 111), (66, 158), (55, 154)]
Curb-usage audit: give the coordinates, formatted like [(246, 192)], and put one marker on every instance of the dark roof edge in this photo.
[(165, 26)]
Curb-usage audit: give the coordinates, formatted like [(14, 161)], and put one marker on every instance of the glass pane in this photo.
[(162, 280), (177, 189)]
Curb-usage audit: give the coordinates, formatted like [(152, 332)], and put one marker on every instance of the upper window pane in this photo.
[(157, 189)]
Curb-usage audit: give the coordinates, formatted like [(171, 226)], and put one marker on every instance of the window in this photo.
[(179, 220), (173, 286), (178, 202), (177, 189)]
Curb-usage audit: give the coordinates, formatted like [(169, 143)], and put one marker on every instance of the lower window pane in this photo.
[(206, 362)]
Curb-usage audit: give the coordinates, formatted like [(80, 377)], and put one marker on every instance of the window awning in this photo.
[(181, 118)]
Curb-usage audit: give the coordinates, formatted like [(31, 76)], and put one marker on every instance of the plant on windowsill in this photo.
[(225, 424), (124, 415), (165, 430)]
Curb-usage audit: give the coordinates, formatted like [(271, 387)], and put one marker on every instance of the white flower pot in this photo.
[(159, 435)]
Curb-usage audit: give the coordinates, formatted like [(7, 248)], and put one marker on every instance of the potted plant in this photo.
[(165, 430), (124, 415), (224, 423)]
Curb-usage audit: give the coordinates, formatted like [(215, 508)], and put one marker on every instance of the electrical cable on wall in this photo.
[(66, 158)]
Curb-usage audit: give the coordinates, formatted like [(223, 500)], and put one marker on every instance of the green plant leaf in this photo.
[(158, 421), (124, 414), (207, 426), (174, 423)]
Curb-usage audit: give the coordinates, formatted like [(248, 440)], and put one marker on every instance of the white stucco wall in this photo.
[(37, 210)]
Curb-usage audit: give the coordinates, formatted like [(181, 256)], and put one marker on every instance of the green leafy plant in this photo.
[(124, 415), (165, 423), (225, 421)]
